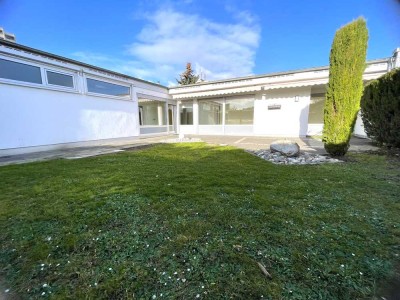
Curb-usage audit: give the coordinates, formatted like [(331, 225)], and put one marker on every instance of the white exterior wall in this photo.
[(359, 128), (290, 120), (44, 116), (36, 117)]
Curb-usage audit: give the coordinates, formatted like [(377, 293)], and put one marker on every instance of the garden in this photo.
[(186, 221)]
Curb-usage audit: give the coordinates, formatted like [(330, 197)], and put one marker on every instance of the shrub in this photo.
[(347, 65), (380, 109)]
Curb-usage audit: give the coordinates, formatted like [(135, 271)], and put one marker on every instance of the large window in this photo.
[(316, 112), (106, 88), (186, 113), (239, 111), (59, 79), (210, 112), (151, 112), (20, 72)]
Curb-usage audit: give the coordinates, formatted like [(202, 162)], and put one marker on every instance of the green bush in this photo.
[(345, 87), (380, 109)]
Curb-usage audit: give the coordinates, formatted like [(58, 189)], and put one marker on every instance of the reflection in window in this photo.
[(210, 112), (60, 79), (151, 112), (186, 111), (21, 72), (106, 88), (316, 112), (239, 111)]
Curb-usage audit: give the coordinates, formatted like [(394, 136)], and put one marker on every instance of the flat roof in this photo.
[(40, 52), (72, 61), (374, 61)]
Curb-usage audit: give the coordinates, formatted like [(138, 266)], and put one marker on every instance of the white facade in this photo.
[(281, 101), (70, 103), (43, 116)]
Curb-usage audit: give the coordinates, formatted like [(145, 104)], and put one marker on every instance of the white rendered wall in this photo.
[(315, 129), (290, 120), (359, 127), (187, 129), (211, 129), (36, 117)]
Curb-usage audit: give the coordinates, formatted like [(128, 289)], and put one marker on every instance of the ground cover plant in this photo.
[(192, 221)]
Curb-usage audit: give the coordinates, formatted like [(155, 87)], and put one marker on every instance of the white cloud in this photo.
[(170, 39)]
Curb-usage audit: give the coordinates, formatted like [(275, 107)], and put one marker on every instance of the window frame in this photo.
[(221, 117), (188, 103), (43, 67), (165, 112), (238, 98), (107, 80), (19, 82), (74, 84)]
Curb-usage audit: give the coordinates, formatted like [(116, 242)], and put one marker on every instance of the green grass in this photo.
[(193, 220)]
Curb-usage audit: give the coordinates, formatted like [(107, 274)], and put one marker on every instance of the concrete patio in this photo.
[(243, 142)]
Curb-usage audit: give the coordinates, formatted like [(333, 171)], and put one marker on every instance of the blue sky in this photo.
[(153, 40)]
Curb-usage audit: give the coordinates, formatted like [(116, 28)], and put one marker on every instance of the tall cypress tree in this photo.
[(345, 87)]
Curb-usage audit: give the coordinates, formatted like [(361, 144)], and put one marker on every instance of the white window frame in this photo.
[(19, 82), (107, 80), (43, 68), (61, 87)]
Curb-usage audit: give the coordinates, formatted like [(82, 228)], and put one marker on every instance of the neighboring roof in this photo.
[(374, 61), (72, 61)]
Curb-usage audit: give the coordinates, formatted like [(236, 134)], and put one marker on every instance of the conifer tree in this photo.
[(345, 87), (188, 76)]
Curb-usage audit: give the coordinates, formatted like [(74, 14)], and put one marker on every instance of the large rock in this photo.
[(285, 147)]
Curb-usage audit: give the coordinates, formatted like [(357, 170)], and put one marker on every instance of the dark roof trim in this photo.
[(72, 61)]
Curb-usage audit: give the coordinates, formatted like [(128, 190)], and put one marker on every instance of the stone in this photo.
[(285, 147), (304, 158)]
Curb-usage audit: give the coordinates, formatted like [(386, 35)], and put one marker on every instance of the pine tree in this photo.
[(345, 87), (188, 76)]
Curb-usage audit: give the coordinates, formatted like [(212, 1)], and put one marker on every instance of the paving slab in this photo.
[(244, 142), (81, 152), (307, 144)]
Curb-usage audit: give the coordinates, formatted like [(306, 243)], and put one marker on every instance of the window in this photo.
[(316, 111), (186, 111), (151, 112), (105, 88), (60, 79), (210, 112), (20, 72), (239, 111)]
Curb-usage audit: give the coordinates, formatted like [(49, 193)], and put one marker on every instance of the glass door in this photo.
[(171, 117)]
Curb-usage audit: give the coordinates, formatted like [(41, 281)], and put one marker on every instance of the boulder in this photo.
[(285, 147)]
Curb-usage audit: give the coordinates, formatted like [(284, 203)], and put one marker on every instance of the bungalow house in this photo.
[(48, 101)]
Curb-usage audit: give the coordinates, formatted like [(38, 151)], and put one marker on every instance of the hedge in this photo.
[(380, 109)]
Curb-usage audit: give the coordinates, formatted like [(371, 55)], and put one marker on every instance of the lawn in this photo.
[(192, 221)]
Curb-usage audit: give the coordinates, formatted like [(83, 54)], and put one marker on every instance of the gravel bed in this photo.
[(304, 158)]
